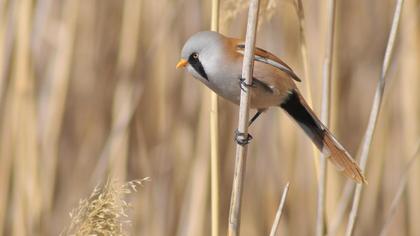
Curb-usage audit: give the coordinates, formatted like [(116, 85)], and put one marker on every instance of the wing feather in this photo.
[(263, 56)]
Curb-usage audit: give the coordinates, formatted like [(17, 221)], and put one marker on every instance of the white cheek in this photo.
[(190, 69)]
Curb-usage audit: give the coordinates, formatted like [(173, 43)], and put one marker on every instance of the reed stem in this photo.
[(325, 115), (279, 212), (241, 150), (214, 139)]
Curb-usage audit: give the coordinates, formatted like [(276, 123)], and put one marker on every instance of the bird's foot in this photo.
[(242, 138), (243, 84)]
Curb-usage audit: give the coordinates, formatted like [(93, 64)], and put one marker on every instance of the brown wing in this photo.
[(269, 58)]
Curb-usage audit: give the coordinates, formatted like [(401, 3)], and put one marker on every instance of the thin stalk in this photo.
[(341, 208), (125, 99), (305, 62), (410, 98), (401, 188), (7, 35), (53, 97), (214, 138), (23, 133), (325, 113), (373, 118), (193, 206), (276, 223), (6, 41), (241, 150)]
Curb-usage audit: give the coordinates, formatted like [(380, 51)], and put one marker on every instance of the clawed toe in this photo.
[(243, 84), (242, 138)]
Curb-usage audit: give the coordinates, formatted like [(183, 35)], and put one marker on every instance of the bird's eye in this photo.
[(195, 55)]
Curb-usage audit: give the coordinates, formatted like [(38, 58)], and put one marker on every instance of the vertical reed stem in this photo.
[(214, 140), (53, 97), (241, 150), (305, 62), (325, 112)]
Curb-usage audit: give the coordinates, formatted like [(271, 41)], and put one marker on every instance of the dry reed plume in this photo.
[(105, 212)]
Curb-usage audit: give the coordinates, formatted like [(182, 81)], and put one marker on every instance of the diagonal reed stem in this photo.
[(340, 211), (399, 193), (373, 118), (276, 223), (241, 150), (325, 113), (214, 138)]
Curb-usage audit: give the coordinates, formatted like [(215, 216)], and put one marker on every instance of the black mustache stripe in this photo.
[(196, 64)]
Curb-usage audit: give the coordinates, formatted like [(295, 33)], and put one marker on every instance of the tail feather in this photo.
[(297, 108), (342, 159)]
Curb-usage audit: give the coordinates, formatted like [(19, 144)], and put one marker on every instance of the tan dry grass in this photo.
[(105, 211)]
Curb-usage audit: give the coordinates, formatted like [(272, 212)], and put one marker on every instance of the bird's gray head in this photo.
[(199, 50)]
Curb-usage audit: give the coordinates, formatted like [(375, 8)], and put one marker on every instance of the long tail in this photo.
[(297, 108)]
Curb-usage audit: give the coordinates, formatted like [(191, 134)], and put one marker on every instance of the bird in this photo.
[(216, 60)]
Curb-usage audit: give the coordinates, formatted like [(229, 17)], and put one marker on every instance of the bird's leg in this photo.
[(256, 115), (245, 138), (243, 84)]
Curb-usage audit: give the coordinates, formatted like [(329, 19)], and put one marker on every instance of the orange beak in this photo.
[(181, 63)]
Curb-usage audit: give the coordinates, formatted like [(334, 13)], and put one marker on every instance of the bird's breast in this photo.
[(225, 78)]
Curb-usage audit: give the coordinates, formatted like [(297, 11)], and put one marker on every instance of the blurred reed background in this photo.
[(88, 89)]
